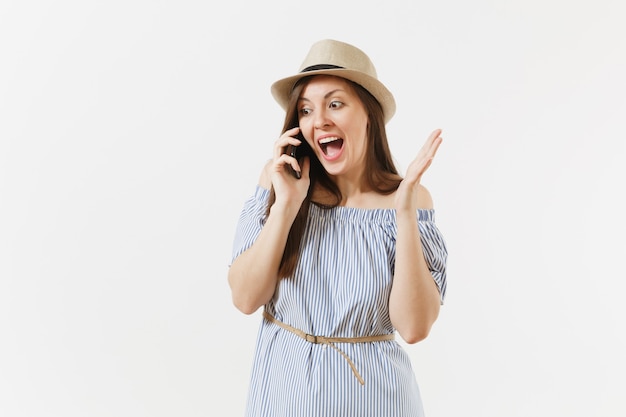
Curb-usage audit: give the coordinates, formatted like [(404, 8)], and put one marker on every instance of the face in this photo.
[(334, 122)]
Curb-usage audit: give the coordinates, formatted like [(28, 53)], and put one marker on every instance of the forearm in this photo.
[(414, 300), (254, 274)]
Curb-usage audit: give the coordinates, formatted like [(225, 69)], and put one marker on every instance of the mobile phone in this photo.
[(292, 151), (296, 152)]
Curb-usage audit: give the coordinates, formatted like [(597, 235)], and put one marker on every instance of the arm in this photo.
[(253, 275), (414, 300)]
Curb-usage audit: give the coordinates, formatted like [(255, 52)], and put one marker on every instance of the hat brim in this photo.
[(281, 89)]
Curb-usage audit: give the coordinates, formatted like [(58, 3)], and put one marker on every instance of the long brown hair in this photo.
[(380, 170)]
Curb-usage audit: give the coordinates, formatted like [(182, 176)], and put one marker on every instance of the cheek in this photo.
[(305, 130)]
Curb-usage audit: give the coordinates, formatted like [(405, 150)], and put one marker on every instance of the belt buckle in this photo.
[(311, 338)]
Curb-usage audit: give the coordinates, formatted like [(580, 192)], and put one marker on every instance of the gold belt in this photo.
[(330, 341)]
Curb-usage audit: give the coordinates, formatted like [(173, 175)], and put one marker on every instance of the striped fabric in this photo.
[(340, 288)]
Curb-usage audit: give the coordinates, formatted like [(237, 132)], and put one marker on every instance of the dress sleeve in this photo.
[(434, 248), (251, 221)]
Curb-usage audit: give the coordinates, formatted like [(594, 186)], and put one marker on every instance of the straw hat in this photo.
[(330, 57)]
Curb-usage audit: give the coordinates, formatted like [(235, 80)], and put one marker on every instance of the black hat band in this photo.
[(321, 67)]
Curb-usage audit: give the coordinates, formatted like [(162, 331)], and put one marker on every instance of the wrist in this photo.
[(406, 213), (284, 210)]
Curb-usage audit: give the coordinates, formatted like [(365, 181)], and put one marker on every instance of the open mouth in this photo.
[(331, 146)]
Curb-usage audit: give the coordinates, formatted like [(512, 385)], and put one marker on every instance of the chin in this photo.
[(334, 171)]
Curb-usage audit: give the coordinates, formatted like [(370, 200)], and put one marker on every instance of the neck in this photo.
[(360, 194)]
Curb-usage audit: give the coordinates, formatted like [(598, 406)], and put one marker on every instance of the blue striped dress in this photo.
[(340, 288)]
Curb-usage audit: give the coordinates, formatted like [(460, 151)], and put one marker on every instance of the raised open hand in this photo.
[(406, 195)]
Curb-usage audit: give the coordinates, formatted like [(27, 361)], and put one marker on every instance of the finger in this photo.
[(285, 140), (289, 134), (428, 152), (432, 144), (284, 160), (434, 147), (293, 131), (305, 162), (434, 134), (431, 141), (280, 145), (423, 161), (433, 138), (418, 168)]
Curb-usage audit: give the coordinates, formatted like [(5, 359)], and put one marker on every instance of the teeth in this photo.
[(328, 140)]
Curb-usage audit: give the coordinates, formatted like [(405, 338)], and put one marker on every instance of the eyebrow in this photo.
[(330, 93)]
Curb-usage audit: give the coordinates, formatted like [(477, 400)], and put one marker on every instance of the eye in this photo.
[(305, 111), (335, 104)]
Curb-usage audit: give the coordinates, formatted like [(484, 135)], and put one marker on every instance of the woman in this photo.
[(339, 250)]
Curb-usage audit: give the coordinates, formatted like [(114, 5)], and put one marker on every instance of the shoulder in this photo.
[(265, 180), (388, 201), (424, 199)]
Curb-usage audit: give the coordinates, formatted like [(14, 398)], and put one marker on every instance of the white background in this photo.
[(131, 132)]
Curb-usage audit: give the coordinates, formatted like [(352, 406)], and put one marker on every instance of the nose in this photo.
[(321, 119)]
